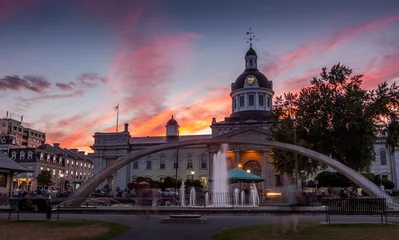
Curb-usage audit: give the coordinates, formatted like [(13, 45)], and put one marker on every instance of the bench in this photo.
[(30, 206), (356, 206)]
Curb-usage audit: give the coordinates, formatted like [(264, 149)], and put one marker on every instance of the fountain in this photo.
[(254, 197), (182, 193), (242, 198), (220, 195), (236, 202), (192, 197)]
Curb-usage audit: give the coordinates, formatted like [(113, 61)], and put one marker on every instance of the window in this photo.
[(161, 179), (383, 157), (189, 162), (66, 172), (269, 104), (251, 100), (3, 180), (54, 158), (148, 163), (41, 168), (136, 164), (162, 162), (48, 157), (235, 103), (109, 162), (241, 101), (261, 98), (175, 162), (13, 155), (204, 160), (204, 182), (384, 177), (60, 160), (67, 162), (22, 155), (30, 155)]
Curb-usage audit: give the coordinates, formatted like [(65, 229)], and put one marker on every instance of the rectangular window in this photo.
[(136, 165), (162, 162), (261, 100), (203, 161), (148, 164), (269, 104), (384, 177), (3, 180), (251, 100), (279, 181), (235, 103), (109, 162), (241, 101)]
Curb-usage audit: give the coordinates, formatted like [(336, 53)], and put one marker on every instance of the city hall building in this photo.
[(251, 104)]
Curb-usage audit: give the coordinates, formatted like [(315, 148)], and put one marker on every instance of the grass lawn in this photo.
[(60, 230), (312, 231)]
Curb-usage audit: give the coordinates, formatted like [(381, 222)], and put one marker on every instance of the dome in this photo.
[(251, 52), (262, 79), (171, 122)]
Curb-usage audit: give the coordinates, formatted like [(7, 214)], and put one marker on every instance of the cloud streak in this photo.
[(29, 82), (55, 96)]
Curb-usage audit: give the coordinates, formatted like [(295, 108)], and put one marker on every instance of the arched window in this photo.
[(148, 162), (189, 162), (383, 157), (204, 161), (13, 155), (253, 166), (162, 162)]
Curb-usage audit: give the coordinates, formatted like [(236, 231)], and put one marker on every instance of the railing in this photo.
[(356, 206)]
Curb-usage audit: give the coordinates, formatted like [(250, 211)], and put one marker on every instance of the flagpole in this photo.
[(117, 117)]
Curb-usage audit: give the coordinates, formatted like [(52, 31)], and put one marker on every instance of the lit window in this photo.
[(189, 161), (13, 155), (22, 155)]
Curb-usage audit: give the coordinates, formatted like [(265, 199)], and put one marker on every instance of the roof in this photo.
[(242, 176), (250, 52), (7, 163), (172, 122), (163, 139), (260, 77)]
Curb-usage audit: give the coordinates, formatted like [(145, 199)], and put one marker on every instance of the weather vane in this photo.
[(250, 37)]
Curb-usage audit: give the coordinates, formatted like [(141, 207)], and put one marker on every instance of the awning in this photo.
[(239, 175)]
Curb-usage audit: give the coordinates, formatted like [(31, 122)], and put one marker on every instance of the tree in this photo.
[(337, 117), (44, 178), (332, 179)]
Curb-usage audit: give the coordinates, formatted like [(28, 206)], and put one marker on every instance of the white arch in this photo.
[(89, 186)]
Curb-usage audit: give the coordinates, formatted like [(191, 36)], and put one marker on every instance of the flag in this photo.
[(117, 107)]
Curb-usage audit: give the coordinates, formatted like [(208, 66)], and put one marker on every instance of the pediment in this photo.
[(246, 133)]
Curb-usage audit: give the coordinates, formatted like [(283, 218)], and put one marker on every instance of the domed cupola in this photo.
[(252, 92), (172, 128)]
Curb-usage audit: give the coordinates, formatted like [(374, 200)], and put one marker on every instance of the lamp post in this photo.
[(61, 182), (192, 175)]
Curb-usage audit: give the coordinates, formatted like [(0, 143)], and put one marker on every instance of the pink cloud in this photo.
[(9, 8)]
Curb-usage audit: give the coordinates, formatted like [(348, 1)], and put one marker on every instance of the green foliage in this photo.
[(332, 179), (336, 117), (192, 183), (44, 178), (379, 181)]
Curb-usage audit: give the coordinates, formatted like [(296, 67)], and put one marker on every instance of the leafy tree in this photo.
[(332, 179), (44, 178), (337, 117)]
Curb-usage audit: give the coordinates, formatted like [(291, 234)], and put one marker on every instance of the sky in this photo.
[(65, 65)]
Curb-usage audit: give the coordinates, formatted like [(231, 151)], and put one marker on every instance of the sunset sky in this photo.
[(65, 65)]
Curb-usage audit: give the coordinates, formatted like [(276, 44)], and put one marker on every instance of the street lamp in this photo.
[(192, 175), (62, 177), (248, 171)]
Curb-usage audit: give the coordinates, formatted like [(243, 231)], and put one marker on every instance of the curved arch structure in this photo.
[(89, 186)]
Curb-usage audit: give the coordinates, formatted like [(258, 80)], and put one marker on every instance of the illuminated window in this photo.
[(189, 161), (22, 155)]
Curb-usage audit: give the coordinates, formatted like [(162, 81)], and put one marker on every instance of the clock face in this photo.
[(251, 80)]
